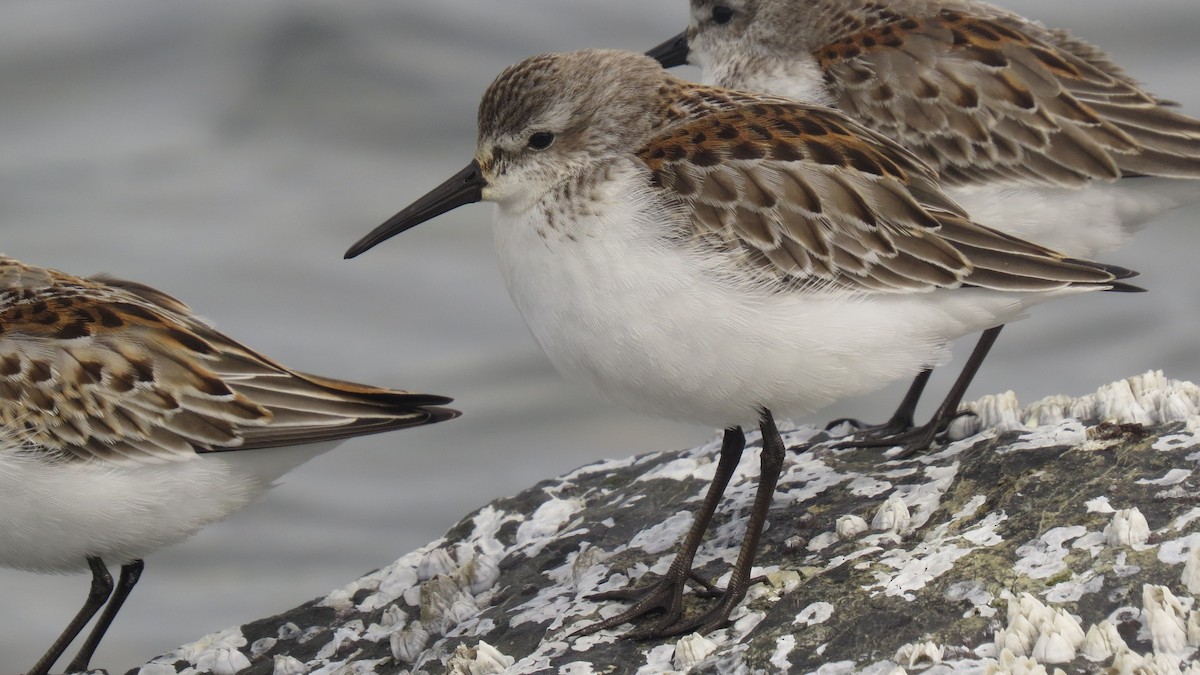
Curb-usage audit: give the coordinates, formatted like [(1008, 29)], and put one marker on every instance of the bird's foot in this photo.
[(664, 595), (911, 440), (889, 428)]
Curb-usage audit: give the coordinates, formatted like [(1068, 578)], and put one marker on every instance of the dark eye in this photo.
[(722, 14), (541, 140)]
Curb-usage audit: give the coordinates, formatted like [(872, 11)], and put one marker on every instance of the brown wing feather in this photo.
[(992, 97), (109, 369), (805, 196)]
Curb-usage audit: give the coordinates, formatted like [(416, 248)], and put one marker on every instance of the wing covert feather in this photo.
[(105, 369), (808, 198), (985, 97)]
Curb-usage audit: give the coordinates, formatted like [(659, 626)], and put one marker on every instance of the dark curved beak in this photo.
[(465, 187), (673, 52)]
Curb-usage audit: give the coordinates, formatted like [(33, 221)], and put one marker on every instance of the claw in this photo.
[(910, 442), (899, 431), (667, 595), (664, 595)]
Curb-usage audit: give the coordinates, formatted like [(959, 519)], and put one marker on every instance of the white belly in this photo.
[(1084, 223), (661, 332), (53, 516)]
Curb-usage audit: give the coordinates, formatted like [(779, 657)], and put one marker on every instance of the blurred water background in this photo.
[(228, 152)]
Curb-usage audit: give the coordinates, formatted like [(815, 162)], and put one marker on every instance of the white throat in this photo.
[(799, 78)]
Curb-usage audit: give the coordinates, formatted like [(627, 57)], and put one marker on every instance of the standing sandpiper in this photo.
[(1033, 131), (129, 424), (719, 257)]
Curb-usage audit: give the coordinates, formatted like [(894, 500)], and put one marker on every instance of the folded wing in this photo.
[(991, 96), (809, 198), (104, 369)]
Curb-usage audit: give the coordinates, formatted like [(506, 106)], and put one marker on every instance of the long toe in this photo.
[(664, 595), (620, 595), (910, 442), (704, 623), (882, 432), (707, 590)]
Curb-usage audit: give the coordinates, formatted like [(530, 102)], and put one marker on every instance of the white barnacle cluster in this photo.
[(850, 526), (408, 643), (444, 604), (444, 587), (288, 665), (1165, 617), (218, 653), (482, 659), (999, 412), (452, 585), (893, 516), (424, 595), (1048, 635), (1102, 642), (691, 650), (1128, 528), (908, 506), (1038, 635), (1011, 664), (1149, 398), (919, 654)]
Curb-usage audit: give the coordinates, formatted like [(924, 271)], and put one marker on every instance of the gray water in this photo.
[(229, 151)]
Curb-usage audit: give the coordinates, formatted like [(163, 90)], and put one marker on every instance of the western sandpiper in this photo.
[(719, 256), (129, 423), (1032, 131)]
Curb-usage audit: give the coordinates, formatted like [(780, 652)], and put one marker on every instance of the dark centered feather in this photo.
[(982, 95), (108, 369), (812, 198)]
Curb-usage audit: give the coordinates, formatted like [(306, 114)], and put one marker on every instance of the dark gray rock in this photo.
[(1072, 545)]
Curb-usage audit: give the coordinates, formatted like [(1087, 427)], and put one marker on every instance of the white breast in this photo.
[(797, 77)]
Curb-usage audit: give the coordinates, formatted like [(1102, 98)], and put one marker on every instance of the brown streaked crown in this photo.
[(564, 90)]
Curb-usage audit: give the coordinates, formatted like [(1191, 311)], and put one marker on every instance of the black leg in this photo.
[(102, 586), (130, 573), (904, 417), (921, 437), (771, 464), (667, 593), (902, 420)]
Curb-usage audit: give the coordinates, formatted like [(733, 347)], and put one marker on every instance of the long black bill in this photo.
[(673, 52), (465, 187)]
